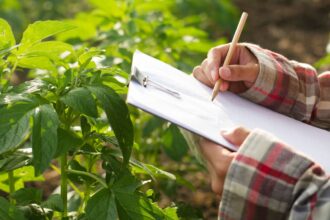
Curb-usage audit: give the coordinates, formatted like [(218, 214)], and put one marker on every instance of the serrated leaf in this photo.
[(102, 206), (44, 55), (44, 137), (7, 38), (175, 145), (14, 123), (52, 49), (27, 196), (9, 212), (118, 117), (40, 30), (81, 100)]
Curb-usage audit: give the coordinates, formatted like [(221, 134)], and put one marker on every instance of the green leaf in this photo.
[(52, 49), (36, 63), (175, 145), (81, 100), (44, 137), (40, 30), (53, 202), (44, 55), (66, 140), (102, 206), (130, 204), (9, 212), (118, 117), (14, 160), (153, 171), (14, 123), (86, 57), (27, 196), (7, 38)]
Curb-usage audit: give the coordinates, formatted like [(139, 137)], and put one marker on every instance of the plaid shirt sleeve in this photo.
[(291, 88), (267, 180)]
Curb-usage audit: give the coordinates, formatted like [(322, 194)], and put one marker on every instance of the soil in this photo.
[(298, 29)]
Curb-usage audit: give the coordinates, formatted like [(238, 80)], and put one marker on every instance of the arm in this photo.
[(271, 80), (291, 88), (265, 179)]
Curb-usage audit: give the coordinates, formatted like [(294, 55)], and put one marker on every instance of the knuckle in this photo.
[(238, 130), (196, 69)]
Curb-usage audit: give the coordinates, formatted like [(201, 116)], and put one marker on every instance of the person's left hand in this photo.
[(219, 159)]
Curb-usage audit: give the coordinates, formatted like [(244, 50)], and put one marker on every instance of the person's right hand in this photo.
[(236, 77)]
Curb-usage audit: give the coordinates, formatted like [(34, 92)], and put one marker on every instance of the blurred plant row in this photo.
[(62, 108)]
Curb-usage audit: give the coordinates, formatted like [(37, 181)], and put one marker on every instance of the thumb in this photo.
[(236, 136), (247, 73)]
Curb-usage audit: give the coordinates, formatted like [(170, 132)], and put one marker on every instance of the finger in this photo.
[(216, 182), (199, 75), (215, 57), (236, 136), (224, 86), (206, 71), (218, 156), (234, 73)]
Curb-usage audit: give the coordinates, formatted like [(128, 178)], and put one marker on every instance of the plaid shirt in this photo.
[(267, 179)]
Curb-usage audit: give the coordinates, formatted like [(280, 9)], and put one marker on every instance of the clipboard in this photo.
[(193, 110)]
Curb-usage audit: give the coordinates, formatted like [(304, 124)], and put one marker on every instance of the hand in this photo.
[(219, 159), (237, 77)]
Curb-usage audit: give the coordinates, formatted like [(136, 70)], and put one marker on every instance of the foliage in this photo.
[(71, 117)]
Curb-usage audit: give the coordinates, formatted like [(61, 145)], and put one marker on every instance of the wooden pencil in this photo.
[(231, 50)]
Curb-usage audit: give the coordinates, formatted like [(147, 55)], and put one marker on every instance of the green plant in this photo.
[(65, 113)]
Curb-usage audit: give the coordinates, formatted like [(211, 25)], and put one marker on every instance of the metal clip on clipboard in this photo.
[(145, 81)]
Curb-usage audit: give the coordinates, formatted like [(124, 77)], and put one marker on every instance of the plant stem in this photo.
[(11, 186), (64, 186)]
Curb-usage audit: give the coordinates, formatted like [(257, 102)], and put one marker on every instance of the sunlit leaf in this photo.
[(40, 30), (7, 38)]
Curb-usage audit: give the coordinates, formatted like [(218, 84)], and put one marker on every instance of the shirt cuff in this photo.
[(261, 178), (276, 86)]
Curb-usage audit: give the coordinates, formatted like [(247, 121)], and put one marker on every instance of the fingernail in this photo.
[(225, 72)]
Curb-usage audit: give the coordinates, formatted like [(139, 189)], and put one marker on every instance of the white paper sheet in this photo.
[(195, 112)]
